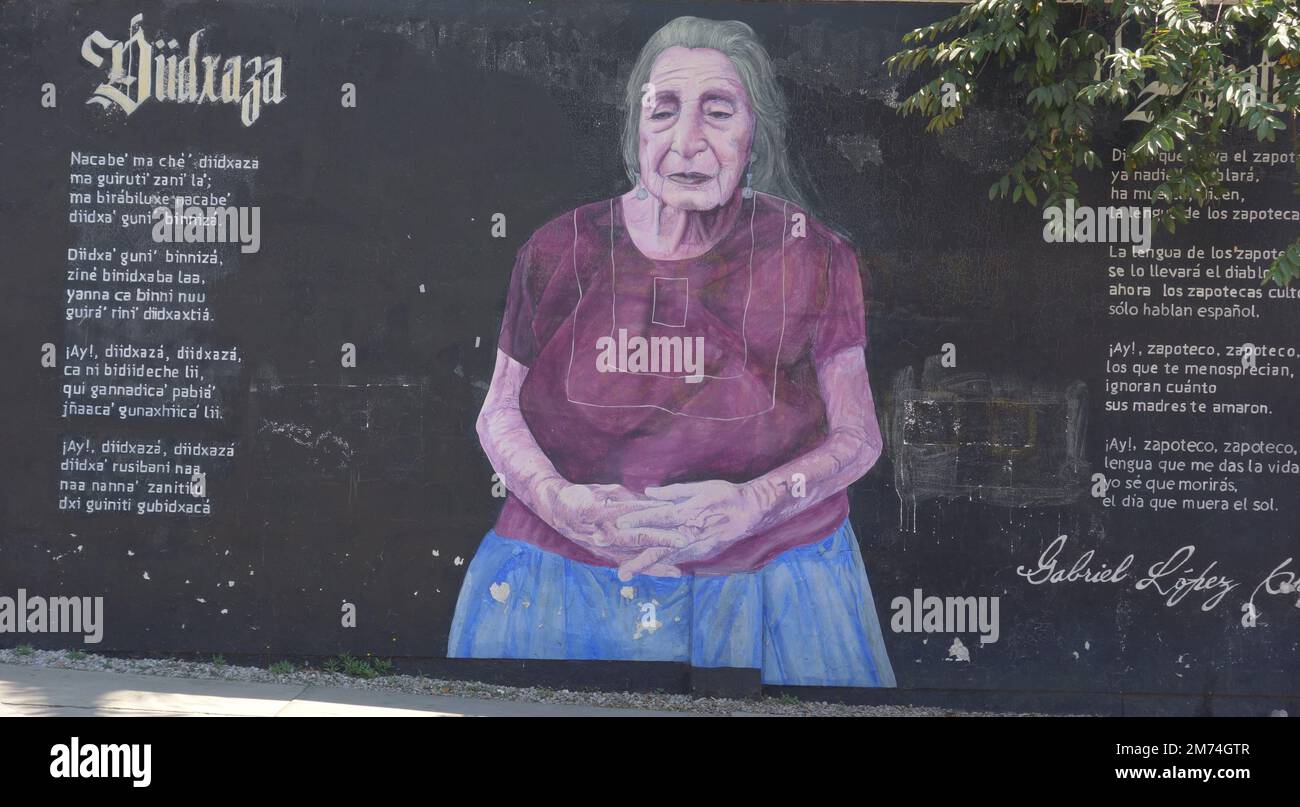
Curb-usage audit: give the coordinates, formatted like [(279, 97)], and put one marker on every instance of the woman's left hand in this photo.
[(712, 515)]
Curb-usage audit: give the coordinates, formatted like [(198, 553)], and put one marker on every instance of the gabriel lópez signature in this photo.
[(1173, 579)]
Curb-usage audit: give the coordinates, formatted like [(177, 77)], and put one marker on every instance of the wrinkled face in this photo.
[(696, 129)]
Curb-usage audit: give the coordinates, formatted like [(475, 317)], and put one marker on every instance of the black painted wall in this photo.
[(470, 108)]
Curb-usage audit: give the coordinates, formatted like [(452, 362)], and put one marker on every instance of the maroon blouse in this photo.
[(647, 372)]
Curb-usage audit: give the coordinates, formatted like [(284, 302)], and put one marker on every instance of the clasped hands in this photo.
[(657, 532)]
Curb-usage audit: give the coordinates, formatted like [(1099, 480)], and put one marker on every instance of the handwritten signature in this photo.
[(1174, 578)]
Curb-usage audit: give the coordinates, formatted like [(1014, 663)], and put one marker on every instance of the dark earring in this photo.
[(641, 192), (748, 192)]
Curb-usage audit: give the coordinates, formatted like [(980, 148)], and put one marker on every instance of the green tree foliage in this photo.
[(1192, 67)]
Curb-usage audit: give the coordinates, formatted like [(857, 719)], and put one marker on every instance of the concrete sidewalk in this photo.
[(41, 691)]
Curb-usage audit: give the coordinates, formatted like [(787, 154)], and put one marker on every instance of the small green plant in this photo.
[(368, 667), (283, 668), (24, 650), (76, 655), (356, 667), (789, 700), (1191, 75), (218, 660)]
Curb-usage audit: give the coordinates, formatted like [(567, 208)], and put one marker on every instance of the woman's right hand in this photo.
[(586, 514)]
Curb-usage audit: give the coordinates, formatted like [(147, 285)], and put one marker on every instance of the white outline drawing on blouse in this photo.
[(776, 361)]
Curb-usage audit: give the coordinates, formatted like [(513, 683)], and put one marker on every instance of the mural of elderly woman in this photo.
[(680, 402)]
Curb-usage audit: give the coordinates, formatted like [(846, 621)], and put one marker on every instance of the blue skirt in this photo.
[(806, 618)]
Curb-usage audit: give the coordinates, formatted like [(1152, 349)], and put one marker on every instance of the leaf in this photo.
[(1182, 64)]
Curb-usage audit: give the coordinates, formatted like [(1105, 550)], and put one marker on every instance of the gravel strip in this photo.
[(418, 685)]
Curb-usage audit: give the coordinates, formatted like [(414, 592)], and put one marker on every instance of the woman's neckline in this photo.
[(620, 220)]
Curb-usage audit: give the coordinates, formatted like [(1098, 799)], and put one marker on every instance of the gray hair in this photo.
[(773, 171)]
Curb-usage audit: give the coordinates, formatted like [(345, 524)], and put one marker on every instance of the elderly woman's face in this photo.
[(696, 129)]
